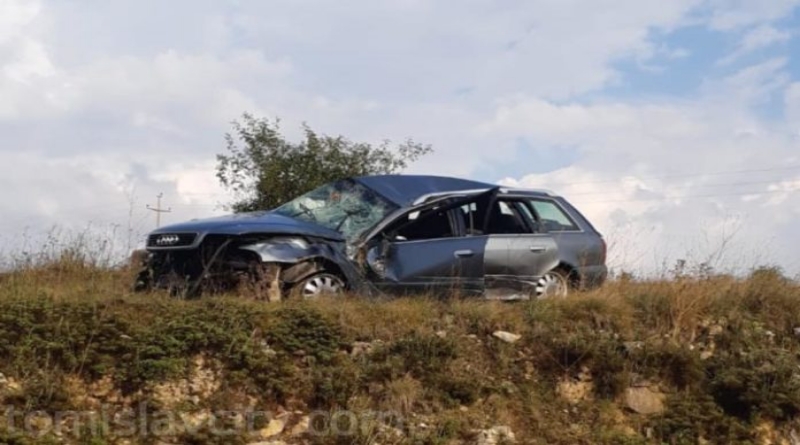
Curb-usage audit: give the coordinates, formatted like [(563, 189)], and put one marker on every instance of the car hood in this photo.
[(255, 222)]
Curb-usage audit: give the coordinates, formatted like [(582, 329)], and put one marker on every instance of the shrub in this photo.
[(303, 330)]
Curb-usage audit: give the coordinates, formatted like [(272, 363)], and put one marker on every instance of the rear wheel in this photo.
[(553, 284), (319, 284)]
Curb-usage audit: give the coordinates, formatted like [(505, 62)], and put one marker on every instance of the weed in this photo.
[(421, 355)]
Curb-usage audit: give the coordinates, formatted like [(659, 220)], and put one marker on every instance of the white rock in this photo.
[(495, 435), (633, 346), (574, 392), (644, 400), (362, 347), (507, 337), (794, 437), (302, 426), (273, 428)]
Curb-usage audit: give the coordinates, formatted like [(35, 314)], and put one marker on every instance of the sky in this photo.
[(674, 126)]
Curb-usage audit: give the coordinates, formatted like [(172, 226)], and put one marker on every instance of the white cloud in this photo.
[(15, 15), (732, 14), (792, 104), (755, 39), (24, 61), (131, 87), (762, 37), (31, 62), (425, 50)]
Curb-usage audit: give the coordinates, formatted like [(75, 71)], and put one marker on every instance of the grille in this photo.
[(171, 239)]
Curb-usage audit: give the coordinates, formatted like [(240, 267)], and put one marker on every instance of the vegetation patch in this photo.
[(720, 355)]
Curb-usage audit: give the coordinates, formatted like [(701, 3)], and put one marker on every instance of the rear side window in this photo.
[(504, 218), (552, 217)]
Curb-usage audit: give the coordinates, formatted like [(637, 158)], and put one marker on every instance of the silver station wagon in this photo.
[(391, 234)]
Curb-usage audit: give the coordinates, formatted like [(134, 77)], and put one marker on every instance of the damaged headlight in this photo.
[(280, 249)]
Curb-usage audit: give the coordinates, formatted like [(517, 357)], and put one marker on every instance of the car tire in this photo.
[(143, 281), (553, 284), (319, 284)]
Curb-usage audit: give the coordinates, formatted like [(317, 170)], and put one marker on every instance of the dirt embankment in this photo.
[(711, 360)]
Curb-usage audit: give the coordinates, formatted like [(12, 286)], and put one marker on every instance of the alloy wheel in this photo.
[(553, 284), (321, 284)]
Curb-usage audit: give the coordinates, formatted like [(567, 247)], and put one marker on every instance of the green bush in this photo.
[(304, 331), (690, 417), (752, 375)]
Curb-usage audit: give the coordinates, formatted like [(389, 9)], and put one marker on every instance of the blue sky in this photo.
[(674, 125)]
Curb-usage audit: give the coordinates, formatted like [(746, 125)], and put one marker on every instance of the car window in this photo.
[(552, 217), (505, 208), (473, 222), (504, 217), (422, 225), (530, 217), (345, 206)]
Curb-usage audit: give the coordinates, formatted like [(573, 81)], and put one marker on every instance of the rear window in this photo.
[(553, 217)]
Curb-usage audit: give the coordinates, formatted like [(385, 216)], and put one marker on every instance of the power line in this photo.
[(198, 205), (682, 175), (689, 186), (158, 209), (668, 198)]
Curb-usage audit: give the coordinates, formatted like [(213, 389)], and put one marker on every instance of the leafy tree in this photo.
[(265, 170)]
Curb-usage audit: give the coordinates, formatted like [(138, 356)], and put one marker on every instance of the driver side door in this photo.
[(422, 252)]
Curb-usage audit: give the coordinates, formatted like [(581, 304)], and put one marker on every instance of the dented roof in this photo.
[(403, 190)]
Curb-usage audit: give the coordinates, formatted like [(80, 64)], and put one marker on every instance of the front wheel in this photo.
[(319, 284), (140, 262), (553, 284)]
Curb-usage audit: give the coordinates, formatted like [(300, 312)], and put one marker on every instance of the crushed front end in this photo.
[(189, 264)]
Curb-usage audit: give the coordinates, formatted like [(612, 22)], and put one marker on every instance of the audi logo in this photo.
[(167, 240)]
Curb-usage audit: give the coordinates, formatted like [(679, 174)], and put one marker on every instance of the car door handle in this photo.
[(463, 253), (538, 249)]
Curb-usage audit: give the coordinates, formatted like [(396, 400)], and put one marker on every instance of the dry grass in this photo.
[(437, 360)]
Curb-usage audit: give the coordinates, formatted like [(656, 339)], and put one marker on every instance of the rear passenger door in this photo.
[(581, 248), (516, 254)]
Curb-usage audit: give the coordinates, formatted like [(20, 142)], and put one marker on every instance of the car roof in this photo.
[(501, 190), (407, 190), (404, 190)]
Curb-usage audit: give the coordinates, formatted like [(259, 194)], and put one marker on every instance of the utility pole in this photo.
[(159, 210)]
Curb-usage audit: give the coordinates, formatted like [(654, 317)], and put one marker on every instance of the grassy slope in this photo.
[(723, 351)]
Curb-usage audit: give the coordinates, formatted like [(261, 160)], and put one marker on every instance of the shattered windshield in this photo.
[(345, 206)]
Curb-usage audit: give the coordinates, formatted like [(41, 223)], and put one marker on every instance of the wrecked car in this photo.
[(393, 234)]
